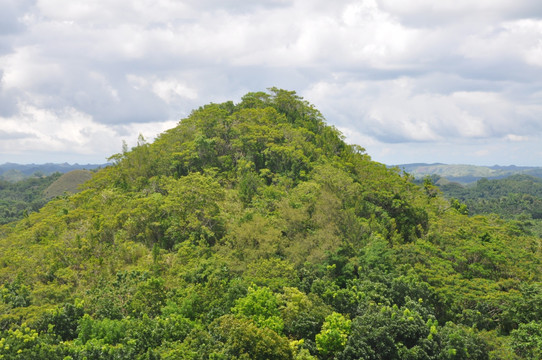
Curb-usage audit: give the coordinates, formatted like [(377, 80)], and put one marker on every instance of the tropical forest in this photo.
[(252, 230)]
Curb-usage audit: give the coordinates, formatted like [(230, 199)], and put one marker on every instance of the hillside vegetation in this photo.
[(253, 231)]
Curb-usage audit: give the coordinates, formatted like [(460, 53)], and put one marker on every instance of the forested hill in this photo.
[(253, 231)]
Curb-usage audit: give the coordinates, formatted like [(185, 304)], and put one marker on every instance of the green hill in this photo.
[(252, 231), (68, 183)]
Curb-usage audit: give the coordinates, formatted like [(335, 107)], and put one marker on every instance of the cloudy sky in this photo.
[(453, 81)]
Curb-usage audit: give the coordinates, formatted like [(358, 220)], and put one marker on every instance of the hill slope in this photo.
[(68, 183), (252, 231)]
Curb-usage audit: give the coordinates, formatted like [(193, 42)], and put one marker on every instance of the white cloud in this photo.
[(36, 130), (22, 71), (518, 40), (170, 89), (47, 130), (516, 138), (396, 111), (387, 72)]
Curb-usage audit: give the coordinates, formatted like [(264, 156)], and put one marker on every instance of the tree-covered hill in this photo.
[(253, 231)]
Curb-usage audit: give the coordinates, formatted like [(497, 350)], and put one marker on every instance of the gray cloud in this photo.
[(12, 11), (431, 14)]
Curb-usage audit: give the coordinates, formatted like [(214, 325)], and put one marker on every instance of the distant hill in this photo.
[(67, 183), (15, 172), (467, 173)]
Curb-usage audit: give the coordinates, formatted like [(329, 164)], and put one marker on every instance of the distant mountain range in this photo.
[(16, 172), (467, 173)]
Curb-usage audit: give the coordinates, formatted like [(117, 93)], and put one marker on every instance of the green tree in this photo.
[(242, 339), (262, 306), (332, 339), (527, 340)]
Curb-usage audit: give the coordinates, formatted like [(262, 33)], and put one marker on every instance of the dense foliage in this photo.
[(252, 231)]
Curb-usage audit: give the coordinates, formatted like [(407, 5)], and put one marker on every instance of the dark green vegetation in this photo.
[(18, 199), (252, 231)]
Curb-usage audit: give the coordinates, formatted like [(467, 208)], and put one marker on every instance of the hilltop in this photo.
[(253, 231)]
